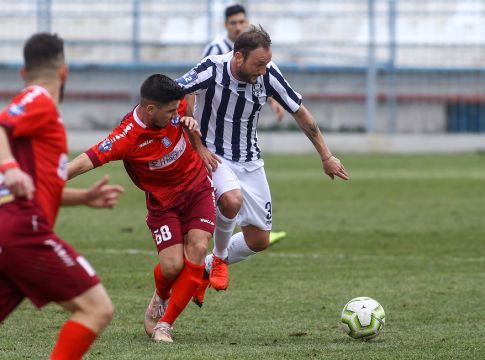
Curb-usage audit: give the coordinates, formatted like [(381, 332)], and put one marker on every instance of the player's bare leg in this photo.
[(91, 313)]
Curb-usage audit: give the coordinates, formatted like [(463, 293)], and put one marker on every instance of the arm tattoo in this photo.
[(311, 130)]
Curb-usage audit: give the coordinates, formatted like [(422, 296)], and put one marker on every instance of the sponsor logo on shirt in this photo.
[(145, 143), (257, 89), (16, 109), (207, 221), (61, 252), (188, 78), (105, 145), (170, 158), (166, 142), (175, 121)]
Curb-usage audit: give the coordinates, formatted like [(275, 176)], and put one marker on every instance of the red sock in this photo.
[(73, 341), (183, 289), (161, 283)]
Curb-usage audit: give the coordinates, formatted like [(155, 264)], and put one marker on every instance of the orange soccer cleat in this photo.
[(219, 275), (199, 294)]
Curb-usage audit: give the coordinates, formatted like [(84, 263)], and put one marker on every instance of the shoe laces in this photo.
[(159, 308), (163, 327)]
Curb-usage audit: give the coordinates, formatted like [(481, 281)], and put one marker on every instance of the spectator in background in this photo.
[(34, 261), (236, 23)]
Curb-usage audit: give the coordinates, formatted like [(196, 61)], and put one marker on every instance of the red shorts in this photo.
[(194, 210), (36, 263)]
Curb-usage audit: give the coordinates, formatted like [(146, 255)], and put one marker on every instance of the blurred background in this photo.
[(378, 75)]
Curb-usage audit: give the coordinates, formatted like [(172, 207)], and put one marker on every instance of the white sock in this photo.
[(238, 250), (222, 234)]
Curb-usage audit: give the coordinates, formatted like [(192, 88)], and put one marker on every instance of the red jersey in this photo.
[(160, 162), (38, 141)]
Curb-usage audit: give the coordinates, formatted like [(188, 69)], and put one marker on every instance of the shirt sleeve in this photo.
[(29, 120), (278, 88), (212, 49), (116, 146), (198, 78)]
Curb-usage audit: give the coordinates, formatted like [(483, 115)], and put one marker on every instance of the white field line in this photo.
[(294, 255), (385, 174)]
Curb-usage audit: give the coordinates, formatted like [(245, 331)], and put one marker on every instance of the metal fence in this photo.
[(378, 65)]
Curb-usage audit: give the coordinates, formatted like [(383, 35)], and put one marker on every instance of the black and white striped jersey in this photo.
[(228, 110), (218, 47)]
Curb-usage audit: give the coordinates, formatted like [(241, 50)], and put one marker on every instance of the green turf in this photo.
[(405, 230)]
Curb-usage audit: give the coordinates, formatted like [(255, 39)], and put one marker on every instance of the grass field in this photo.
[(405, 230)]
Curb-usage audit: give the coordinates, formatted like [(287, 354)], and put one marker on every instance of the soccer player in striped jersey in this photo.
[(237, 22), (34, 262), (230, 91), (153, 144)]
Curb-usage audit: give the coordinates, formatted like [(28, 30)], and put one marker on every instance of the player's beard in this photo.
[(244, 76), (61, 91)]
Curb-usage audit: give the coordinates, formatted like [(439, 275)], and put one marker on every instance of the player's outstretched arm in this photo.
[(99, 195), (78, 166), (17, 181), (331, 165)]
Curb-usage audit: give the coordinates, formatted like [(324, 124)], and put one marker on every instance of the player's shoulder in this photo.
[(128, 130), (32, 100), (32, 97)]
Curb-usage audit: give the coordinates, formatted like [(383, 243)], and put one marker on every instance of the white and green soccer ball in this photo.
[(362, 318)]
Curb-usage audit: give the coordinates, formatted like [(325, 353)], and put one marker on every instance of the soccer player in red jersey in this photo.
[(152, 141), (34, 261)]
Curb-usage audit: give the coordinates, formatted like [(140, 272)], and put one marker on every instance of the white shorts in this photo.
[(250, 178)]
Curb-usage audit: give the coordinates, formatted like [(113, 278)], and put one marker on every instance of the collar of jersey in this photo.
[(137, 119)]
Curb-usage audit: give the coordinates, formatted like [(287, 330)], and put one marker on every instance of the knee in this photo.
[(172, 268), (105, 312), (230, 202), (101, 311), (197, 246), (200, 248), (260, 244), (257, 240)]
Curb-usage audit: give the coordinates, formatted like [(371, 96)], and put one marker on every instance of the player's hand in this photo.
[(333, 167), (103, 196), (277, 109), (211, 160), (19, 183), (191, 125)]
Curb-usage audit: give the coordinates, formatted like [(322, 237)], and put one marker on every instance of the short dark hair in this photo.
[(161, 89), (43, 50), (253, 38), (233, 10)]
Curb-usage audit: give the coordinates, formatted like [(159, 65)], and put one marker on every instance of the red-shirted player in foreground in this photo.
[(179, 195), (34, 261)]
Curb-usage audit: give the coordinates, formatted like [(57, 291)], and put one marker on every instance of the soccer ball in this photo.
[(362, 318)]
